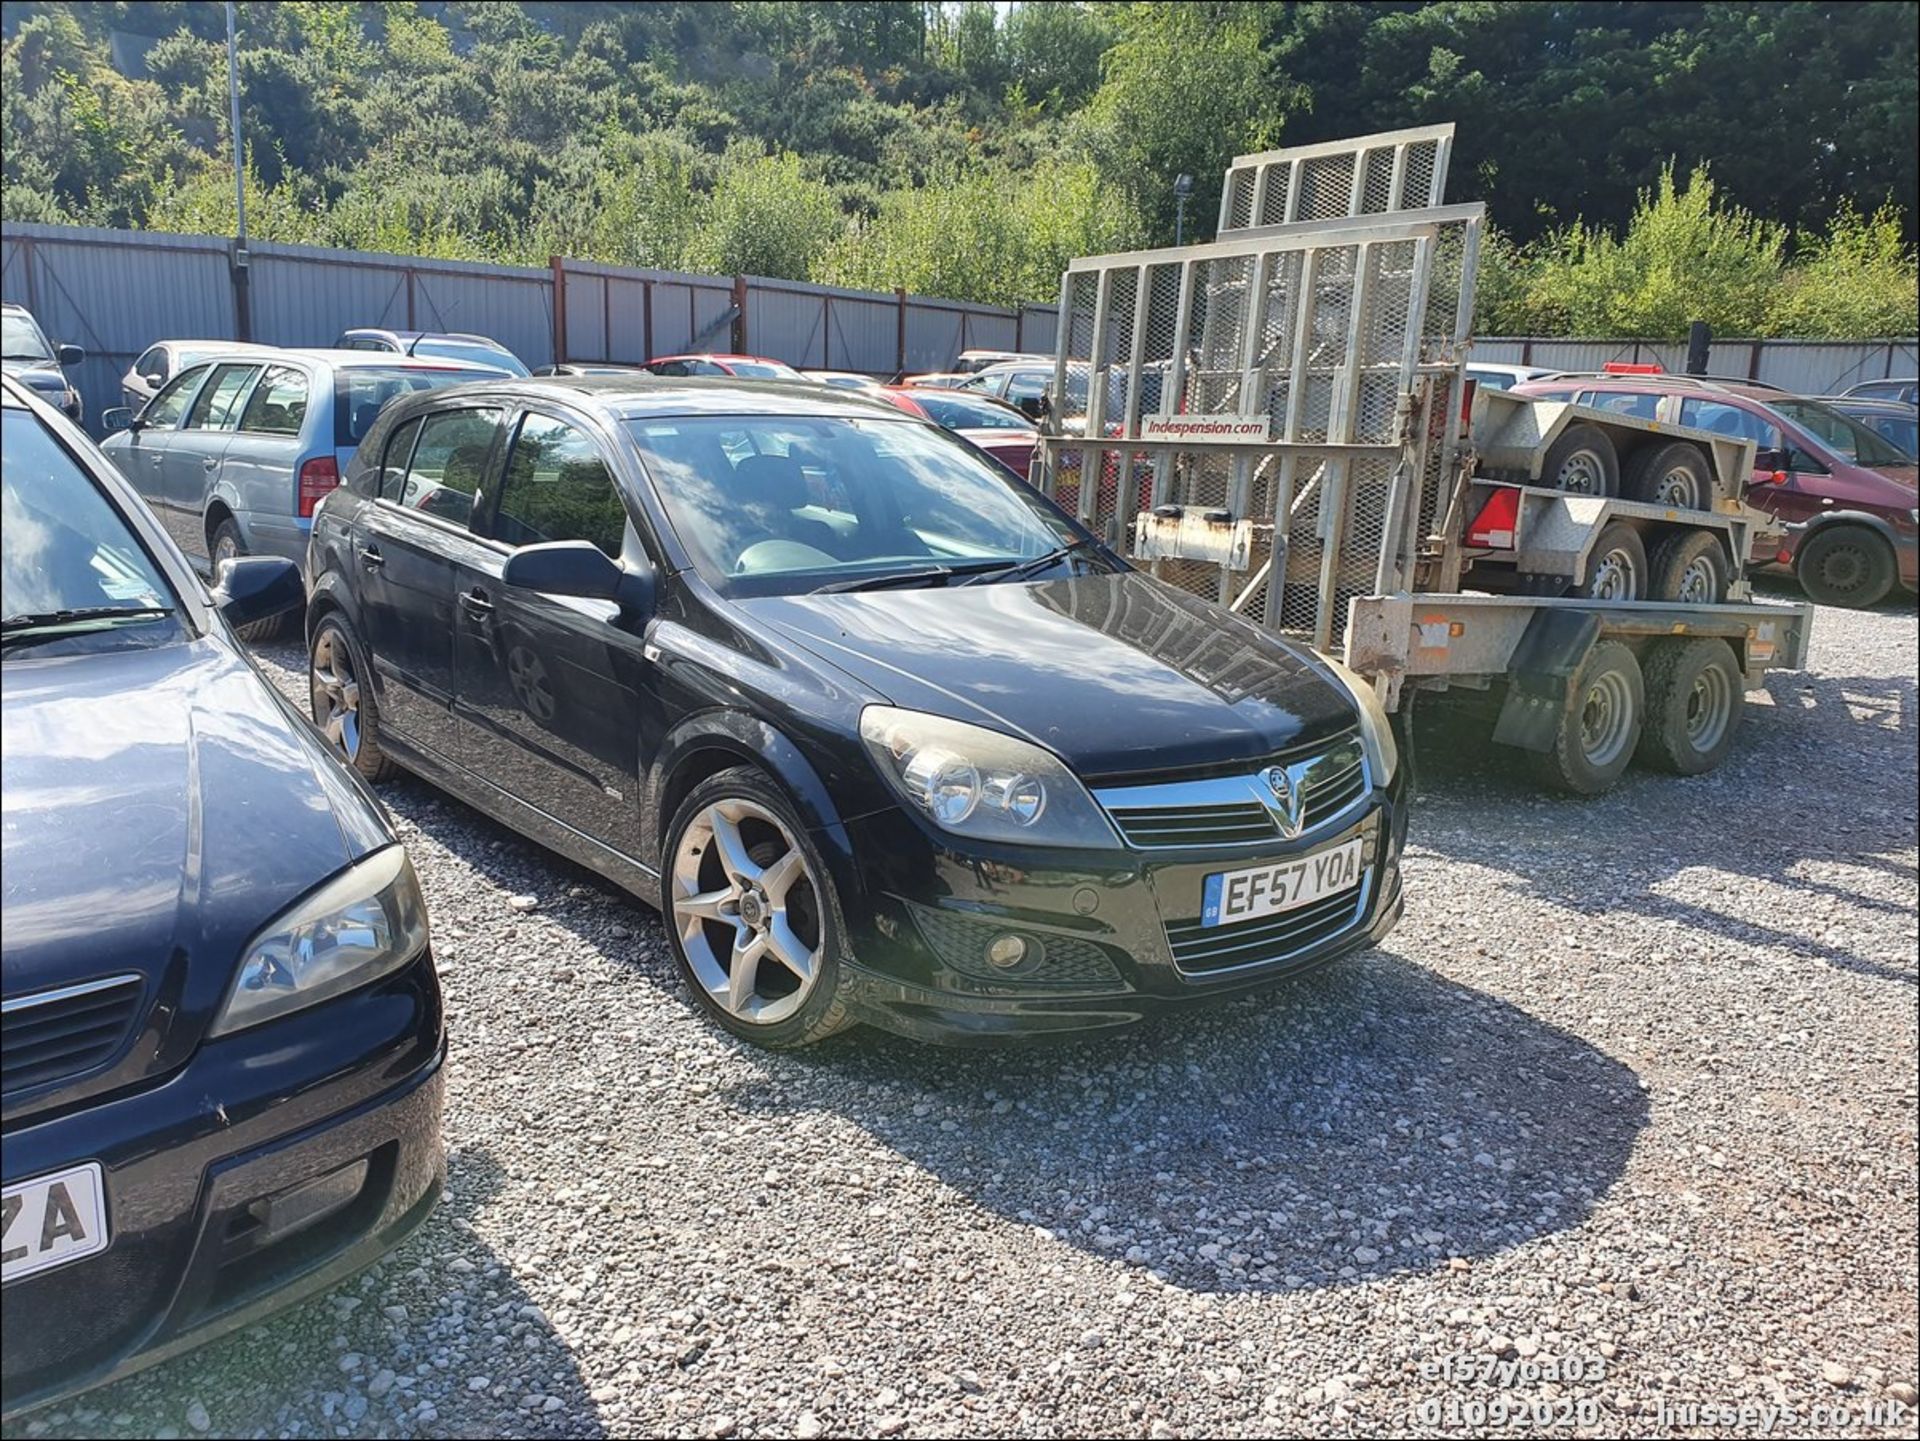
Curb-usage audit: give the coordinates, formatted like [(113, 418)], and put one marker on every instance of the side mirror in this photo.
[(154, 378), (119, 418), (577, 568), (1770, 460), (257, 587), (69, 354)]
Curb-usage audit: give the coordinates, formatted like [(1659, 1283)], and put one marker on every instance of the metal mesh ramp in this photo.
[(1373, 175)]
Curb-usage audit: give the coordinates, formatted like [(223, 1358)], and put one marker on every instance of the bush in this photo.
[(766, 216), (1858, 281)]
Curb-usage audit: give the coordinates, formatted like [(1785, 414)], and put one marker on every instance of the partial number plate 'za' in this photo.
[(1268, 890), (52, 1220)]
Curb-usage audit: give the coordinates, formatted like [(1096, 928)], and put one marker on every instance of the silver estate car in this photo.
[(234, 453), (164, 359)]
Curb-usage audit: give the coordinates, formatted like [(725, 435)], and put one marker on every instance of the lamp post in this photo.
[(242, 297), (1182, 188)]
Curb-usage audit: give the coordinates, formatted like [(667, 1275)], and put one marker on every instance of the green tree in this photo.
[(1860, 279), (766, 216), (1053, 52)]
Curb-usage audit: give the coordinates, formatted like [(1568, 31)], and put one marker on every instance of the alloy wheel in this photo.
[(747, 911), (336, 692)]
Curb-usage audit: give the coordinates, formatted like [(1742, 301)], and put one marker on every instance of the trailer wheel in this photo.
[(1674, 475), (1695, 697), (1690, 567), (1846, 565), (1617, 567), (1600, 725), (1582, 462)]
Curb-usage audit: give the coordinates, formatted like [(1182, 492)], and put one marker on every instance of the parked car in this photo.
[(994, 426), (1846, 496), (975, 360), (937, 380), (746, 367), (1907, 390), (886, 735), (587, 367), (234, 454), (1505, 377), (223, 1032), (1895, 421), (163, 360), (844, 379), (1022, 383), (29, 357), (434, 345)]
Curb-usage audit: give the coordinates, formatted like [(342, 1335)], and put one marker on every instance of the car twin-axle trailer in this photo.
[(1280, 420)]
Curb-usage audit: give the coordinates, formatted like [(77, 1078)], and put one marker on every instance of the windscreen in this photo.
[(1842, 434), (771, 505), (967, 412), (20, 338)]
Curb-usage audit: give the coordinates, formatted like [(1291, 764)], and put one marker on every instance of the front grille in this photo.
[(1198, 949), (1231, 810), (56, 1035)]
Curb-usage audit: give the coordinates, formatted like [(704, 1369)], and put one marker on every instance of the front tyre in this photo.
[(752, 914), (340, 682), (1846, 565)]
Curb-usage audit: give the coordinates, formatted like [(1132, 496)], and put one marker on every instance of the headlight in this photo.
[(1376, 731), (365, 922), (977, 782)]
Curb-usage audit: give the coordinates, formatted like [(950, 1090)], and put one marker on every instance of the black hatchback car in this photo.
[(884, 734), (223, 1033)]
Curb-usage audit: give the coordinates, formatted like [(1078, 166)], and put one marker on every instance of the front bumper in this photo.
[(210, 1177), (1105, 922)]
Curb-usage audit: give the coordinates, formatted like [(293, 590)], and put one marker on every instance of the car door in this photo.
[(141, 451), (191, 471), (403, 560), (260, 473), (550, 686)]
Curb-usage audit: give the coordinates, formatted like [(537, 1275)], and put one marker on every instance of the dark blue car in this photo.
[(223, 1032)]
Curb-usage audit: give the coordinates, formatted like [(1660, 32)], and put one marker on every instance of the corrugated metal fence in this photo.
[(116, 292), (1806, 367)]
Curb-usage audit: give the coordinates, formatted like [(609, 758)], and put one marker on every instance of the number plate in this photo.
[(1231, 896), (52, 1220)]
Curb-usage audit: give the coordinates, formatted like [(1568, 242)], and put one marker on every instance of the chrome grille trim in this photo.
[(59, 1034), (1235, 810), (1209, 951)]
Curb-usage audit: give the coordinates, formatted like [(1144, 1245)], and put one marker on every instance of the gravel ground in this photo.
[(1628, 1098)]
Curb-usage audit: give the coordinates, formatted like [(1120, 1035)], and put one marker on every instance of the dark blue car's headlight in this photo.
[(981, 783), (366, 921)]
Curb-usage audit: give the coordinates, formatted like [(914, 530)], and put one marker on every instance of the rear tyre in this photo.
[(227, 545), (752, 914), (1599, 726), (340, 681), (1582, 462), (1695, 696), (1675, 475), (1617, 566), (1846, 565), (1689, 567)]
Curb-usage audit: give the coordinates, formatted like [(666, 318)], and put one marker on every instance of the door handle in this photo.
[(208, 463), (476, 604), (371, 559)]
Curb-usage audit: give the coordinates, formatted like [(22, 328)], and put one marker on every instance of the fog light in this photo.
[(1006, 952)]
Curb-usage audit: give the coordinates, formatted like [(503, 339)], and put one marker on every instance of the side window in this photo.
[(278, 405), (1622, 402), (449, 462), (669, 367), (215, 408), (1731, 420), (393, 462), (166, 408), (704, 367), (557, 487), (152, 362)]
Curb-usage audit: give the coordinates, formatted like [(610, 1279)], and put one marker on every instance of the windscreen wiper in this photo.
[(1019, 570), (25, 626), (925, 575)]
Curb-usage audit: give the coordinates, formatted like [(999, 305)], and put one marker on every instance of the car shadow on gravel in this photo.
[(1822, 776), (1370, 1119), (380, 1353)]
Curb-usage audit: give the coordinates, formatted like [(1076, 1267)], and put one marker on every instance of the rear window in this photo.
[(278, 405), (967, 412), (487, 355), (758, 370), (360, 393)]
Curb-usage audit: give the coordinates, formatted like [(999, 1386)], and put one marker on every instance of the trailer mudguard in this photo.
[(1544, 664)]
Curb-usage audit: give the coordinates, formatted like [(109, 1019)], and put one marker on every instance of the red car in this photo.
[(992, 425), (1846, 494), (747, 367)]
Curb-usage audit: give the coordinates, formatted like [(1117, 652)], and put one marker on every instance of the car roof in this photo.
[(361, 359), (638, 397), (1867, 402), (719, 355)]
